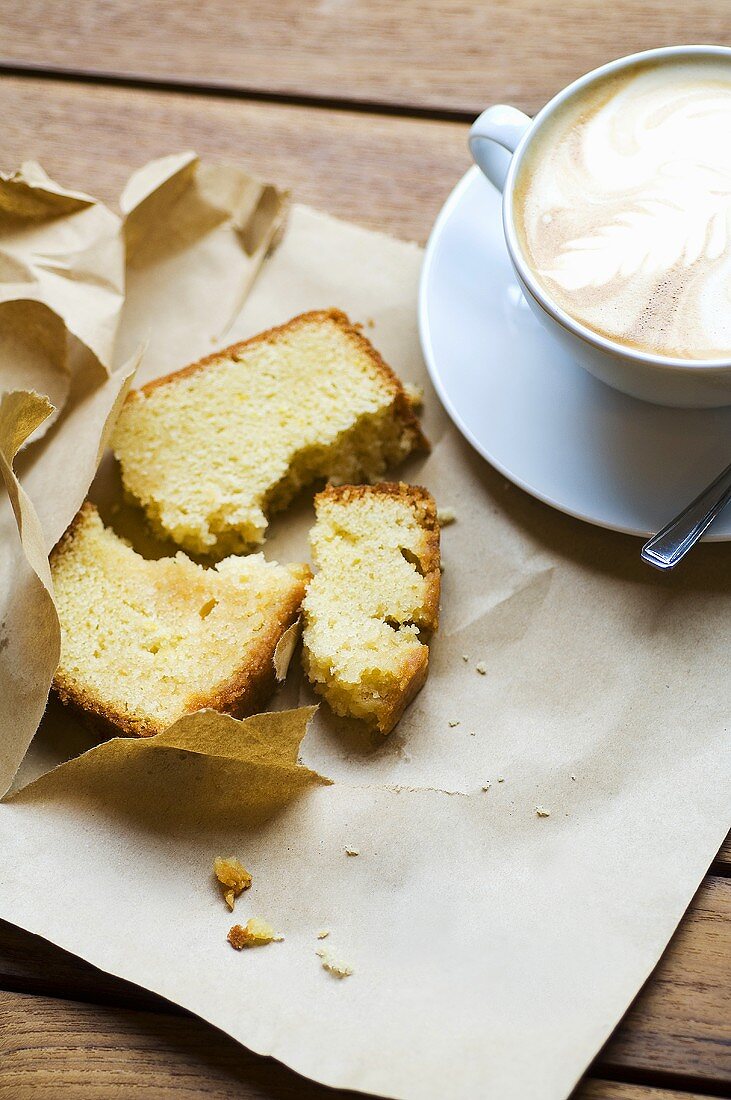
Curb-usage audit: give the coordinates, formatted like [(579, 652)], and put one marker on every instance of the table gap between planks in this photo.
[(361, 109)]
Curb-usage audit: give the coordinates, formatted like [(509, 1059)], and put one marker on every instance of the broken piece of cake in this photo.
[(375, 600), (334, 964), (255, 933), (233, 878), (212, 450), (145, 642)]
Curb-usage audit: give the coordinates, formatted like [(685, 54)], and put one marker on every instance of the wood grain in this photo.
[(456, 55), (53, 1048), (723, 859), (616, 1090), (30, 964), (677, 1025), (680, 1021), (387, 173)]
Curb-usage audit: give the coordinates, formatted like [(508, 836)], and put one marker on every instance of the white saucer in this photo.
[(545, 423)]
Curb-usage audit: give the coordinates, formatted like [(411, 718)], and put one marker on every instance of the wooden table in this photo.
[(361, 107)]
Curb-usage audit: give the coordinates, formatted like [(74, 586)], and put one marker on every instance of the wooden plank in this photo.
[(388, 173), (723, 859), (29, 964), (678, 1024), (52, 1048), (415, 53), (593, 1089)]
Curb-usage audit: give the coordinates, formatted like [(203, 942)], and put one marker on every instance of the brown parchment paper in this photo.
[(63, 249), (61, 297), (27, 611), (493, 950), (65, 260), (195, 236)]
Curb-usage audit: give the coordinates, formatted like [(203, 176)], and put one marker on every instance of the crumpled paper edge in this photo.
[(93, 271), (266, 744), (20, 415)]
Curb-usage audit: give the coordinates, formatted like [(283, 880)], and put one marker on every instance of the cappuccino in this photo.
[(622, 207)]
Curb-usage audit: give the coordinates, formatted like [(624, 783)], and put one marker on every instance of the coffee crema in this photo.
[(622, 207)]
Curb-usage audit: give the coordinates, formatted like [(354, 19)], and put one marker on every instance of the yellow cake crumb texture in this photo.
[(212, 451), (374, 599), (334, 964), (233, 877), (445, 516), (144, 642), (255, 933), (415, 394)]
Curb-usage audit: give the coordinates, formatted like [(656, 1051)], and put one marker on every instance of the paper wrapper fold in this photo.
[(240, 772), (29, 634), (63, 249), (491, 948), (196, 234), (64, 319)]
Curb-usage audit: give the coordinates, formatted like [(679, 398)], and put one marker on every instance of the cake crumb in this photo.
[(256, 933), (233, 877), (573, 777), (501, 779), (334, 965), (481, 667), (453, 722), (486, 786), (465, 657), (445, 516), (323, 933), (541, 812), (415, 394), (352, 851)]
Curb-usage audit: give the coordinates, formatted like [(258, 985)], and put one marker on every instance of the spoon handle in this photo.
[(667, 547)]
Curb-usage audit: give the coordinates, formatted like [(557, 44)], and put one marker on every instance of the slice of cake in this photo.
[(374, 599), (212, 450), (144, 642)]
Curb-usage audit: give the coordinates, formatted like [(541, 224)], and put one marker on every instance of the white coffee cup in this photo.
[(499, 140)]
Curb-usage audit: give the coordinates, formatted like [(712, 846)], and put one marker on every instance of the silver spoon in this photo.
[(667, 547)]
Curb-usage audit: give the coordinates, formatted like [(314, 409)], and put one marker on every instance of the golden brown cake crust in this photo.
[(413, 678), (245, 693), (403, 407)]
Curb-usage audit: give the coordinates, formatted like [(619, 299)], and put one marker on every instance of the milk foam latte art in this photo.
[(622, 208)]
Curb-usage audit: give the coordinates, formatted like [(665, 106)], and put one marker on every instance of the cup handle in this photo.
[(494, 138)]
